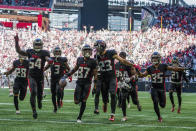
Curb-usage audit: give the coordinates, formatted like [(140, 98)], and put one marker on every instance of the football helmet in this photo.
[(100, 46), (175, 61), (37, 45), (21, 57), (57, 52), (87, 51), (123, 55), (156, 58)]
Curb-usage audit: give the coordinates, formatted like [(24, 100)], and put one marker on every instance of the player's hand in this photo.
[(16, 38)]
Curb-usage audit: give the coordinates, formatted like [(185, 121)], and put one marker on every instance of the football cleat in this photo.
[(173, 108), (160, 119), (124, 119), (105, 108), (55, 110), (179, 110), (34, 114), (112, 118), (79, 121), (139, 107), (96, 111), (17, 111)]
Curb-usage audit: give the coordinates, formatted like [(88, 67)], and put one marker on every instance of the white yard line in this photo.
[(98, 123)]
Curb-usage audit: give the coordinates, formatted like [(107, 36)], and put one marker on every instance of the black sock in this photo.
[(179, 100), (54, 101), (113, 103), (156, 109), (82, 108), (171, 98), (16, 102), (124, 107), (32, 101)]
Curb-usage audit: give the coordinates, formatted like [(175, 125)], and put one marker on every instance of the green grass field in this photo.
[(65, 119)]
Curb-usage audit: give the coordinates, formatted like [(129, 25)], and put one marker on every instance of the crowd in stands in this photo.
[(138, 45), (177, 18), (31, 3)]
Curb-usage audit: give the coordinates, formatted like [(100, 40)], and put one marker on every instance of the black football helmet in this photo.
[(156, 58), (132, 62), (87, 51), (37, 44), (175, 61), (21, 57), (100, 46), (123, 54), (57, 52)]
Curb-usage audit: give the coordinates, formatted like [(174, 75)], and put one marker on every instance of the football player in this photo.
[(58, 68), (21, 66), (157, 72), (107, 82), (87, 68), (37, 59), (176, 84), (127, 85)]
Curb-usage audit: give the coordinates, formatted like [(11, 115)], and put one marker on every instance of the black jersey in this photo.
[(157, 75), (106, 64), (37, 62), (21, 70), (58, 67), (85, 70), (122, 70), (177, 76)]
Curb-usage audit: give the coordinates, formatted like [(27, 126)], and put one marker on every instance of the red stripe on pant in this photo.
[(116, 84), (29, 85)]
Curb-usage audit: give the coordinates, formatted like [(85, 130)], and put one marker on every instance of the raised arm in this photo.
[(47, 67), (73, 70), (18, 50), (67, 66), (143, 74), (9, 71), (171, 68), (123, 61)]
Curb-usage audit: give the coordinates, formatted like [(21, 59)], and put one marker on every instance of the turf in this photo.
[(65, 119)]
